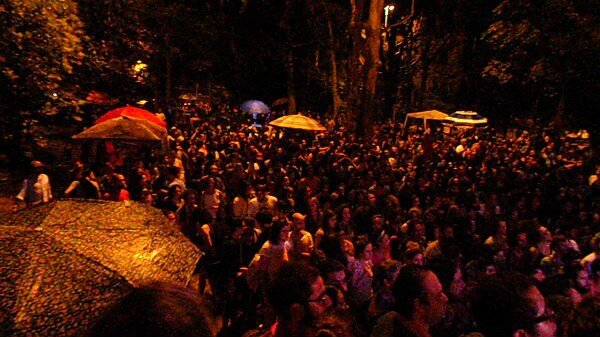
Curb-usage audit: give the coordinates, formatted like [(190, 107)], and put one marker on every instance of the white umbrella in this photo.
[(466, 119)]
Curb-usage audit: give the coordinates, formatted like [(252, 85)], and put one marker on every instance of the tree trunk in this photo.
[(291, 92), (332, 55), (424, 78), (374, 44), (289, 58), (168, 69), (364, 66)]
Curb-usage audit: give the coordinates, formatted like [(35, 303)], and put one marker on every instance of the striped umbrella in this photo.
[(466, 119), (299, 122)]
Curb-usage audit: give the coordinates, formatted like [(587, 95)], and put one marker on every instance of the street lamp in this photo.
[(387, 10)]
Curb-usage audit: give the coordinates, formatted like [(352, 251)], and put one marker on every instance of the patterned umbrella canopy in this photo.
[(63, 262), (299, 122), (134, 112), (124, 128), (254, 107)]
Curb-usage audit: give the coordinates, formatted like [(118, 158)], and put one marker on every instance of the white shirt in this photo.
[(41, 193)]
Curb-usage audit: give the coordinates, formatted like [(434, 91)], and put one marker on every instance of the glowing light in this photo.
[(387, 10)]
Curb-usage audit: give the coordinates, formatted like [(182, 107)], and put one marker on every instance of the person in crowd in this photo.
[(301, 244), (173, 179), (420, 303), (346, 224), (271, 256), (299, 298), (561, 255), (334, 273), (586, 261), (360, 271), (212, 199), (328, 228), (36, 188), (246, 239), (262, 202), (443, 246), (85, 186), (413, 255), (241, 201), (456, 320), (498, 240), (511, 305), (380, 239), (384, 277)]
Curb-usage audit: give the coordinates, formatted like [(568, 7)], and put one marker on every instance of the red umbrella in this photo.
[(133, 112)]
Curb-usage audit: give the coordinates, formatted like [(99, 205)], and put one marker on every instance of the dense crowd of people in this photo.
[(400, 233)]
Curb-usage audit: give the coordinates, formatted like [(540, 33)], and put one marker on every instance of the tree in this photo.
[(364, 64), (41, 45), (544, 52)]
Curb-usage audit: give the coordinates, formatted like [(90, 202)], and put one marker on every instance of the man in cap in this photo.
[(36, 187)]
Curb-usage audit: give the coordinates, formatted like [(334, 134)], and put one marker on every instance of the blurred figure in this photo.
[(384, 277), (157, 310), (420, 303), (510, 305), (299, 298)]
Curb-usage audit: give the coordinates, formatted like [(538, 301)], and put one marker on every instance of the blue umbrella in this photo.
[(254, 107)]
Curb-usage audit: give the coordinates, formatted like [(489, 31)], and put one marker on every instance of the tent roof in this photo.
[(429, 114)]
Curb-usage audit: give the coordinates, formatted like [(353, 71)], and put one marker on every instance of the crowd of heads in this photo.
[(487, 230)]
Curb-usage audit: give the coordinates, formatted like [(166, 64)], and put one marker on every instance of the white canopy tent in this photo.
[(425, 116)]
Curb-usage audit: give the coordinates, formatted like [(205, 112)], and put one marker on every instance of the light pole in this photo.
[(387, 10)]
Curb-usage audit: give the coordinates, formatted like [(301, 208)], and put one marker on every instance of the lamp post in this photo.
[(387, 10)]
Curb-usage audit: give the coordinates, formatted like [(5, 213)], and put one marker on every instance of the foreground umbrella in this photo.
[(299, 122), (254, 107), (62, 263), (124, 128), (134, 112)]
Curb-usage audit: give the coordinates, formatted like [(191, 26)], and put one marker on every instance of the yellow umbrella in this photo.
[(299, 122)]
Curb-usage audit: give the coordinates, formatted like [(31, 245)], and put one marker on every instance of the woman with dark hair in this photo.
[(314, 215), (360, 270), (384, 276), (174, 199), (346, 224), (271, 256), (328, 226)]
